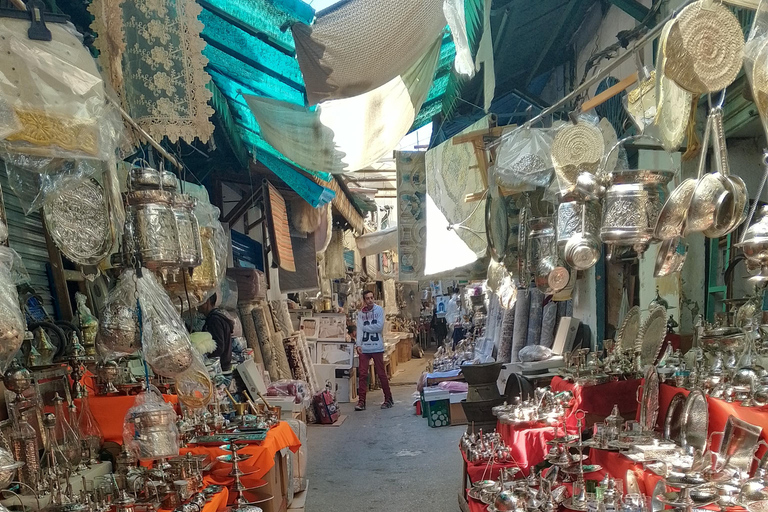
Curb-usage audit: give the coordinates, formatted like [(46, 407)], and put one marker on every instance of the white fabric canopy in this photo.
[(363, 44), (349, 134), (378, 241), (451, 174)]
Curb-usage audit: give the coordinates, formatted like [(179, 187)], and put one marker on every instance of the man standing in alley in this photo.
[(370, 345)]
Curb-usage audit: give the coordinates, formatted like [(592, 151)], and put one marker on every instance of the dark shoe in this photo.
[(387, 404), (360, 406)]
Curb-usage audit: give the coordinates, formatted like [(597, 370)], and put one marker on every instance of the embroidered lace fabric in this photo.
[(151, 51)]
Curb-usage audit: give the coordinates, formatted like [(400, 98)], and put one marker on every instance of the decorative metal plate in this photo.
[(649, 405), (695, 421), (652, 334), (674, 421), (674, 102), (630, 328), (77, 219)]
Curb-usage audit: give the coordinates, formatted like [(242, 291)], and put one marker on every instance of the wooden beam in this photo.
[(59, 279), (609, 93), (556, 34), (241, 207)]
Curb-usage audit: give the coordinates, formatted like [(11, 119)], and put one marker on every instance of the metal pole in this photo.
[(160, 149), (640, 43)]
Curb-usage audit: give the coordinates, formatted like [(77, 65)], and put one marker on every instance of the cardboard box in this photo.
[(404, 348), (457, 414), (300, 457), (273, 496)]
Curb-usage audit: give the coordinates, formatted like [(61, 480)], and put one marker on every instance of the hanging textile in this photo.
[(349, 134), (279, 230), (152, 53), (363, 44), (335, 267), (485, 58), (412, 214), (451, 174), (377, 242)]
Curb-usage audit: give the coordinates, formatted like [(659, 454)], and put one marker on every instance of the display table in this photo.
[(719, 411), (258, 465), (218, 502), (528, 444), (476, 471), (110, 411), (597, 401), (76, 481)]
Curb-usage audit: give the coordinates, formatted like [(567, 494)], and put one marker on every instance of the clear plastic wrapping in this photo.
[(119, 333), (524, 159), (193, 386), (298, 389), (162, 337), (149, 429), (33, 178), (228, 296), (166, 344), (12, 325), (206, 278), (52, 97)]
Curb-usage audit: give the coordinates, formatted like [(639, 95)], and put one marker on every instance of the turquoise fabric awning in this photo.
[(251, 51)]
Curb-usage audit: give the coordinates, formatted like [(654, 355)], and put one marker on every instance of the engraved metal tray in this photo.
[(630, 328), (695, 421), (652, 334), (674, 420)]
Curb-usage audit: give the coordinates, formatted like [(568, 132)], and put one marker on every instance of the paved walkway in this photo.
[(384, 460)]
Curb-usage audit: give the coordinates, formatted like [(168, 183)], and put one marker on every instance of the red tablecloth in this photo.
[(598, 401), (261, 461), (476, 506), (109, 412), (719, 411), (618, 465), (529, 445), (218, 502), (477, 471)]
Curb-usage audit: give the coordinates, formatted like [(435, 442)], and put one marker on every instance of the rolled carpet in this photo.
[(520, 332)]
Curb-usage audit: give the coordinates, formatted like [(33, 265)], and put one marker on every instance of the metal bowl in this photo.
[(755, 243)]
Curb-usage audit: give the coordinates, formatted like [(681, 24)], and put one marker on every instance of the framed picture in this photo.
[(309, 325), (340, 354), (331, 327)]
